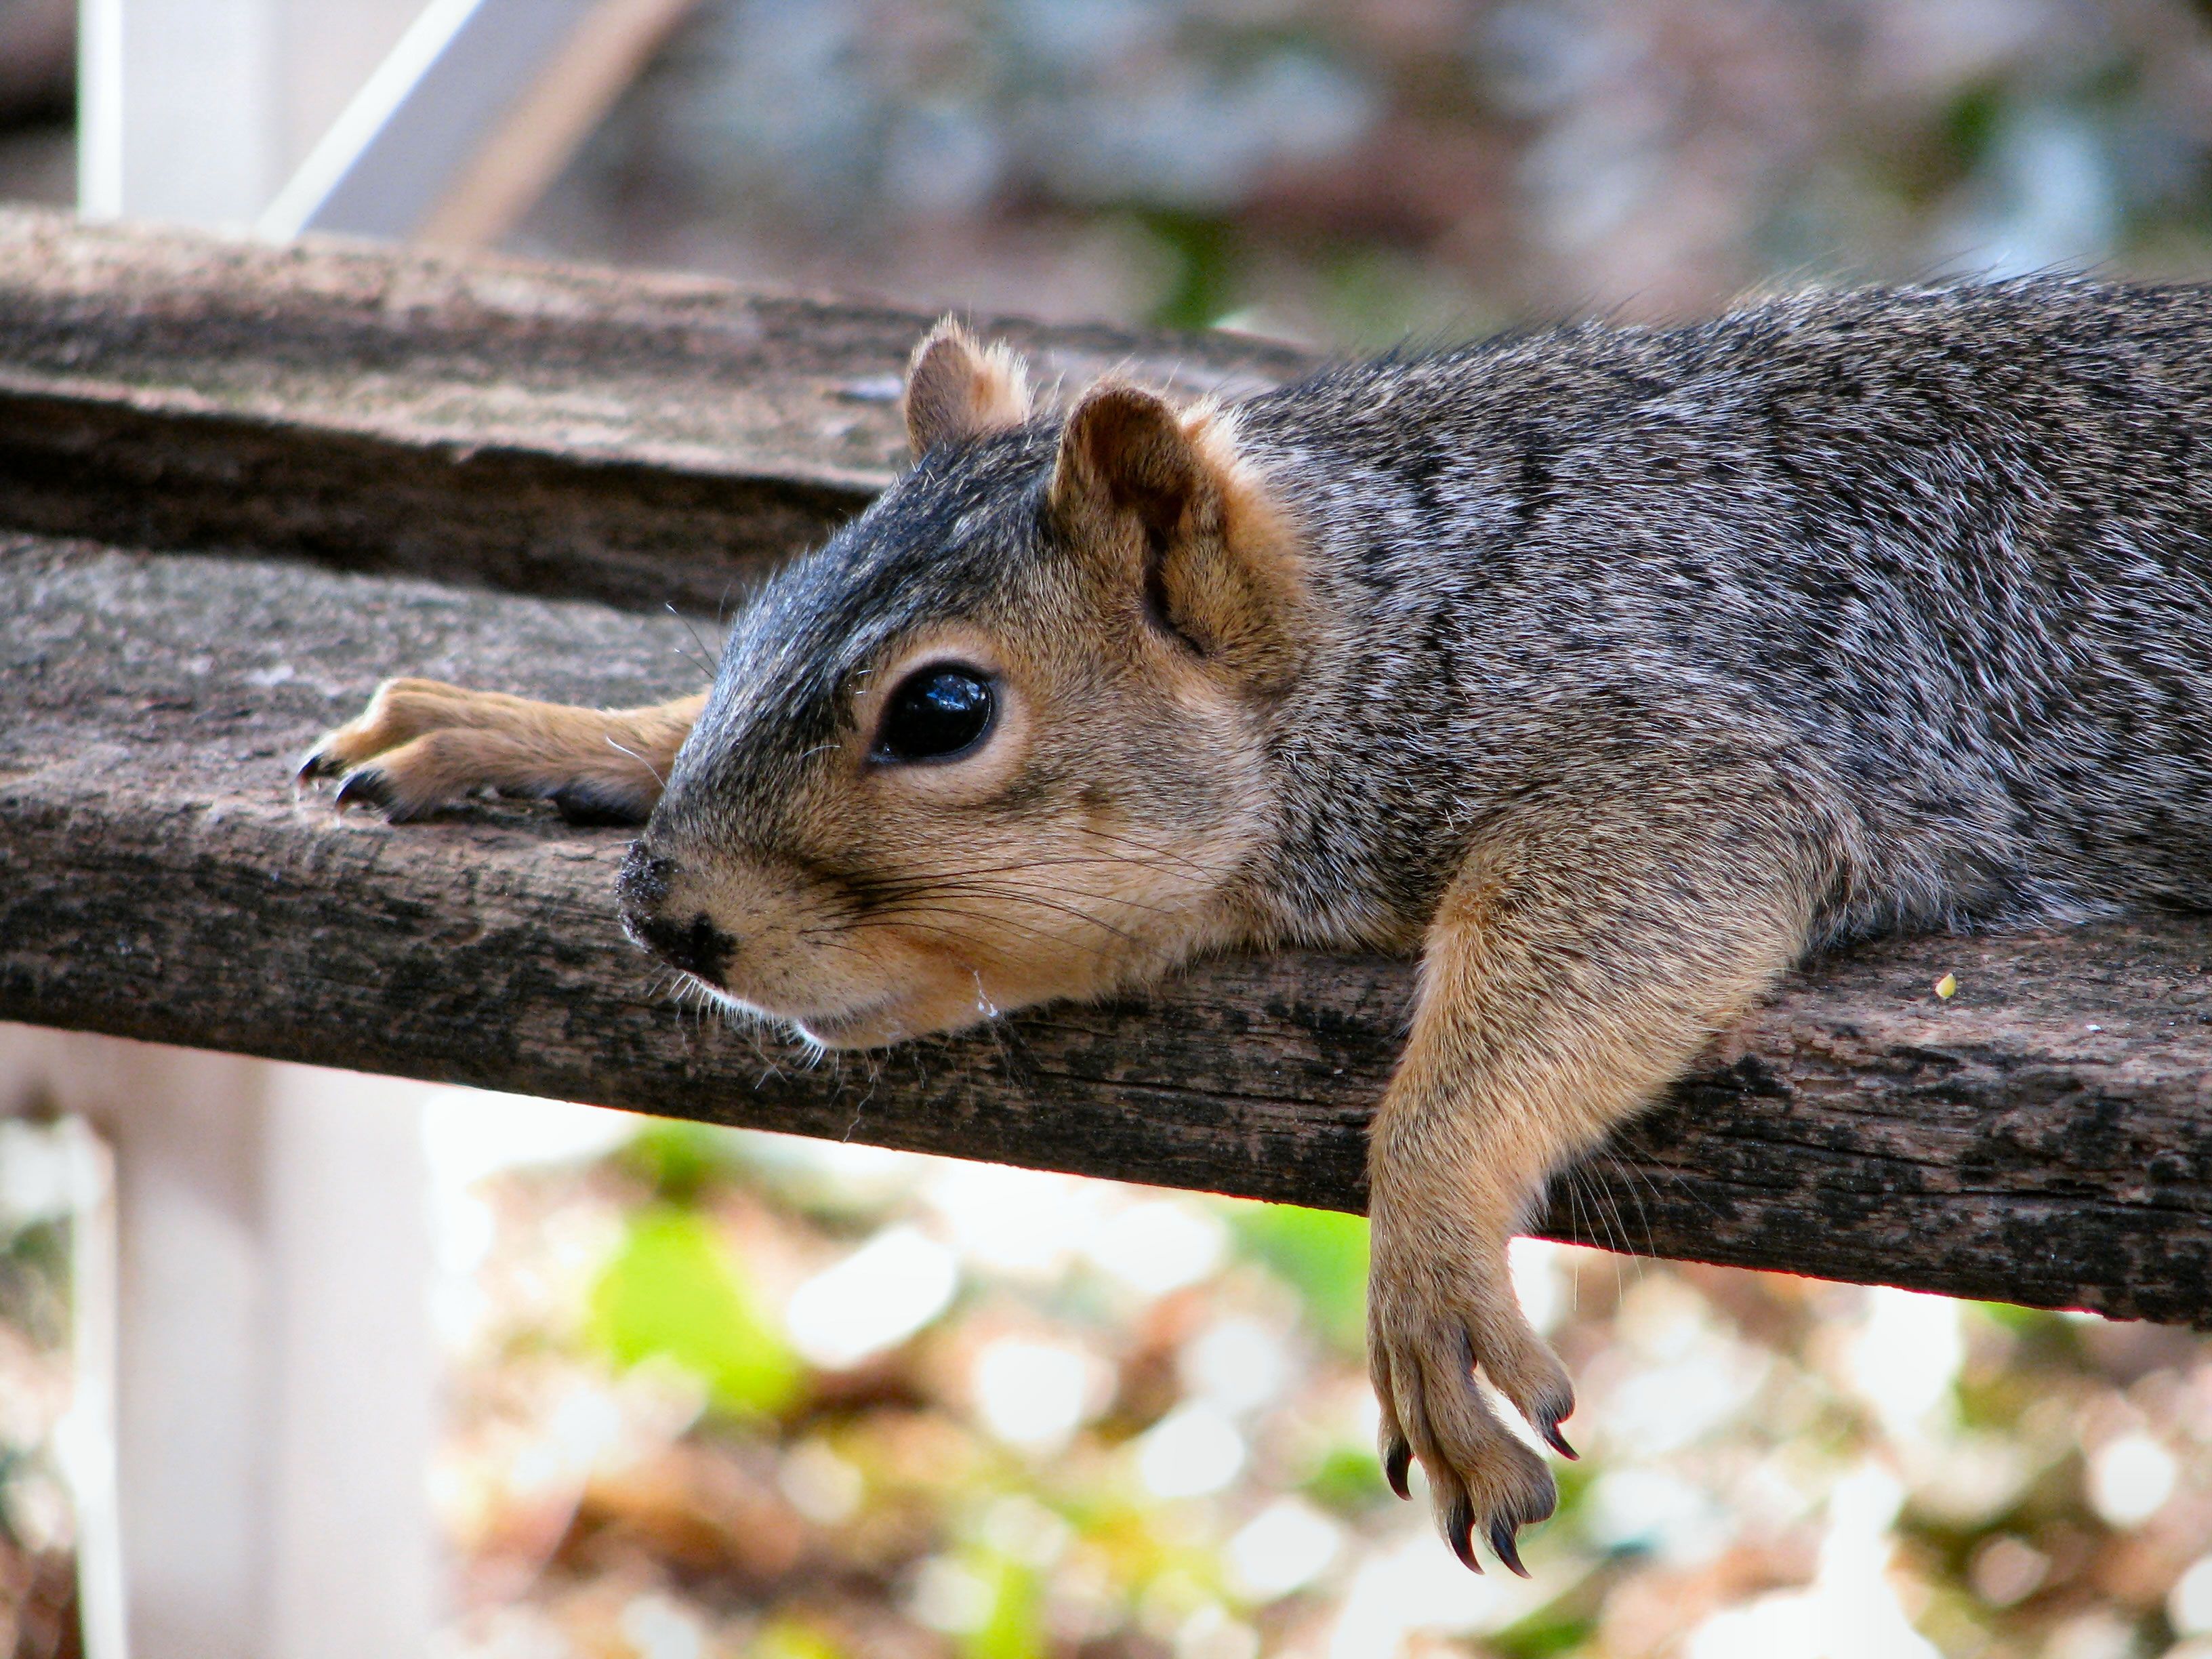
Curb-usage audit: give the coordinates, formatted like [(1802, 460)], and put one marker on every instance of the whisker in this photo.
[(969, 877), (903, 922), (992, 890), (704, 662), (895, 918), (1156, 851), (652, 770), (895, 897)]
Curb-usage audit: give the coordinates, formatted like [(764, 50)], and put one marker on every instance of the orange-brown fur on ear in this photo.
[(1124, 451), (1267, 610), (958, 388), (423, 743), (1217, 557)]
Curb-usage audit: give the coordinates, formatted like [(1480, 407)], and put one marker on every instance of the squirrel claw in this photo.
[(1396, 1461), (1502, 1542), (1558, 1442), (367, 787), (1459, 1533)]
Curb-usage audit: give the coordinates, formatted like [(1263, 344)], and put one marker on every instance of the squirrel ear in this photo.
[(1217, 563), (1124, 451), (958, 388)]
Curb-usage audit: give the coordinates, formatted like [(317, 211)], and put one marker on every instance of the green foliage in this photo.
[(789, 1638), (1323, 1255), (1541, 1635), (1347, 1480), (1970, 121), (680, 1160), (1015, 1626), (1203, 268), (674, 1290)]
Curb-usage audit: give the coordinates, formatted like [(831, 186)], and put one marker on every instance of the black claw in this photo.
[(367, 787), (1558, 1442), (1459, 1533), (1395, 1464), (1501, 1541), (317, 765)]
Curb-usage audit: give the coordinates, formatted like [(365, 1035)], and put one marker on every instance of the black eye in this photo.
[(936, 715)]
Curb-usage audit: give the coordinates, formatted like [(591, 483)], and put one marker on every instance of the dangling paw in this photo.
[(1426, 1338)]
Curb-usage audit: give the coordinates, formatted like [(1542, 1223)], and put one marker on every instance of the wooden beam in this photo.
[(2044, 1137), (645, 439)]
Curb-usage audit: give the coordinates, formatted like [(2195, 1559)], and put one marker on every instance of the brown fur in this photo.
[(957, 389)]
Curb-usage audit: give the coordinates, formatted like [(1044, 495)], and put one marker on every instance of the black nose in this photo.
[(643, 882), (692, 943), (698, 947)]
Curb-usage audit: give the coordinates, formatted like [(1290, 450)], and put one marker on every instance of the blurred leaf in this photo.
[(787, 1638), (1323, 1253), (1573, 1482), (1969, 123), (1541, 1635), (1347, 1480), (676, 1290), (1203, 259), (1015, 1627), (1565, 1624), (679, 1160)]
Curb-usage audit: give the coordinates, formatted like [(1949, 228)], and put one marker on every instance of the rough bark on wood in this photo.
[(2044, 1136)]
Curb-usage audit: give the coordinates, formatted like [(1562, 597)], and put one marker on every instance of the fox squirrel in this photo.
[(1611, 669)]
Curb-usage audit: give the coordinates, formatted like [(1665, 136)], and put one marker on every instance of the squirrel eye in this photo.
[(936, 715)]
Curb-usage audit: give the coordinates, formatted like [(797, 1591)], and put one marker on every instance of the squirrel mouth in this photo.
[(830, 1030), (835, 1030)]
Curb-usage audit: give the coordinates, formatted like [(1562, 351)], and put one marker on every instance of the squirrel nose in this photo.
[(692, 943)]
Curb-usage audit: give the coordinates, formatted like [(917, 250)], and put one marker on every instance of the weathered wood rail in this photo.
[(239, 484)]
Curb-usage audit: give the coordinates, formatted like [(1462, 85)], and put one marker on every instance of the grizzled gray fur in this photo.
[(1948, 552)]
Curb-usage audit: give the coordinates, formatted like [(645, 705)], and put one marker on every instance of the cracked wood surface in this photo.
[(2044, 1136)]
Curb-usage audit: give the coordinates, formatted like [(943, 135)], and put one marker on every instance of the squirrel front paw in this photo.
[(422, 744), (1428, 1331)]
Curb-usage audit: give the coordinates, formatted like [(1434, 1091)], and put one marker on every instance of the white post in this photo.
[(275, 1371), (465, 122), (194, 112), (353, 1567)]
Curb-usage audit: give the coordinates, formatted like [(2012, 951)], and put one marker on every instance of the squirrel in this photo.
[(1611, 670)]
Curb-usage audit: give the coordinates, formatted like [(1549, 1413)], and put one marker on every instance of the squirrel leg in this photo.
[(1577, 964), (422, 743)]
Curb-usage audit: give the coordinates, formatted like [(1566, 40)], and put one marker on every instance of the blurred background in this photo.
[(1349, 173), (702, 1394)]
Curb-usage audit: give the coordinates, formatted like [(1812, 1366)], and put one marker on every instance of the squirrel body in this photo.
[(1610, 669)]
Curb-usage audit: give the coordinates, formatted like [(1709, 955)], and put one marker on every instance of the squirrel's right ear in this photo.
[(1169, 509), (958, 388)]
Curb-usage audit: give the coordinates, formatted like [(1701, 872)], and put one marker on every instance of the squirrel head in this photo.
[(1002, 740)]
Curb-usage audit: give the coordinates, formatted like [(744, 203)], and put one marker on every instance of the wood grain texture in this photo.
[(645, 439), (2044, 1136)]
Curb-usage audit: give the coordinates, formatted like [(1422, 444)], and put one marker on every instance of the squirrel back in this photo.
[(1948, 550)]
